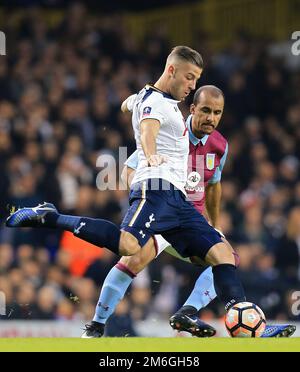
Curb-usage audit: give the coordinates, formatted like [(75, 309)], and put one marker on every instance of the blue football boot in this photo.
[(282, 330), (192, 324), (30, 217)]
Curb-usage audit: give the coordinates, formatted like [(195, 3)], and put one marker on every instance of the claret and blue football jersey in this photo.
[(207, 157)]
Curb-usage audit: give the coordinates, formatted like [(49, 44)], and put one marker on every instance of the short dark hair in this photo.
[(188, 54), (212, 89)]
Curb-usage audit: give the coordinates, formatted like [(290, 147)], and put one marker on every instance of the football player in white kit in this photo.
[(158, 203)]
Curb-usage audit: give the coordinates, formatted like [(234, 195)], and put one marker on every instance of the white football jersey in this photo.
[(172, 140)]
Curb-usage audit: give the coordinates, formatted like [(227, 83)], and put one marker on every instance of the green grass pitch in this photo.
[(149, 344)]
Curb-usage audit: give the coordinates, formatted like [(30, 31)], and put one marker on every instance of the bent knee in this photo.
[(133, 263)]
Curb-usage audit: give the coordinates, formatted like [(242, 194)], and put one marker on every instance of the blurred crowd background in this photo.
[(61, 87)]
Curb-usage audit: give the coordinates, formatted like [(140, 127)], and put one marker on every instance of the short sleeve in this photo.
[(218, 172), (152, 108), (130, 102), (132, 161)]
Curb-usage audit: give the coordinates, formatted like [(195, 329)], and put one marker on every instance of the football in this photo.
[(245, 319)]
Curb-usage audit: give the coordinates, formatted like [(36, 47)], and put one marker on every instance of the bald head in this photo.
[(210, 90)]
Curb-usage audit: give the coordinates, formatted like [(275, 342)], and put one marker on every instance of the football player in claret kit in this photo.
[(158, 203)]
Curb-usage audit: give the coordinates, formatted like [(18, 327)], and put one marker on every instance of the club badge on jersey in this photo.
[(146, 111), (210, 161)]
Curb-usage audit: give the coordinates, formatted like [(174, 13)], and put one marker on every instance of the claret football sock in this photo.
[(228, 286)]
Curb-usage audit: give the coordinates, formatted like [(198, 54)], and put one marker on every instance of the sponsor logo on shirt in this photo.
[(193, 179), (192, 183)]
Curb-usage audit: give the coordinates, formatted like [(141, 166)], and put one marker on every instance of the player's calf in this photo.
[(227, 284), (99, 232)]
